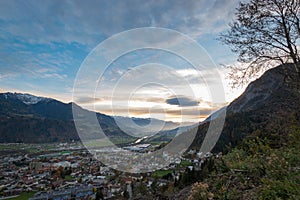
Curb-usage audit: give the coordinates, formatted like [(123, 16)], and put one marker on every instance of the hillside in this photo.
[(261, 142), (253, 170), (269, 104)]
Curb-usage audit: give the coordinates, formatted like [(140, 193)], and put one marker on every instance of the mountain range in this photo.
[(141, 127), (269, 104), (30, 119)]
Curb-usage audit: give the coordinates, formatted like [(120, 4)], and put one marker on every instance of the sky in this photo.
[(44, 45)]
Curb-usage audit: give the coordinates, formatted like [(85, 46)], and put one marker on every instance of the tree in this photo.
[(264, 33), (99, 195), (126, 194)]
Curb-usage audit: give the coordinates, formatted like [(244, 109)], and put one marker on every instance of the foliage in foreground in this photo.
[(254, 170)]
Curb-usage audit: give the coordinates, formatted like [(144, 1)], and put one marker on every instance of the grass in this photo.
[(120, 140), (69, 178), (107, 142), (185, 163), (28, 148), (11, 146), (97, 143), (161, 173), (23, 196)]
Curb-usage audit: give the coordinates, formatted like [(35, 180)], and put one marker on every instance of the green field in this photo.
[(23, 196), (185, 163), (69, 178), (28, 148), (107, 142), (161, 173)]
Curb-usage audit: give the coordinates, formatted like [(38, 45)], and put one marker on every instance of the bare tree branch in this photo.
[(264, 32)]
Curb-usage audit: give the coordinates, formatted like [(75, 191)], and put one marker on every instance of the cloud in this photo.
[(55, 34), (188, 72), (43, 44), (36, 60), (91, 100), (182, 101), (195, 112), (206, 77), (88, 22)]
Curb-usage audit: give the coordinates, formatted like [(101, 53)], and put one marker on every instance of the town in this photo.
[(69, 171)]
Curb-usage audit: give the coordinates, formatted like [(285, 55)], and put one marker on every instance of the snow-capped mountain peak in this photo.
[(26, 98)]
